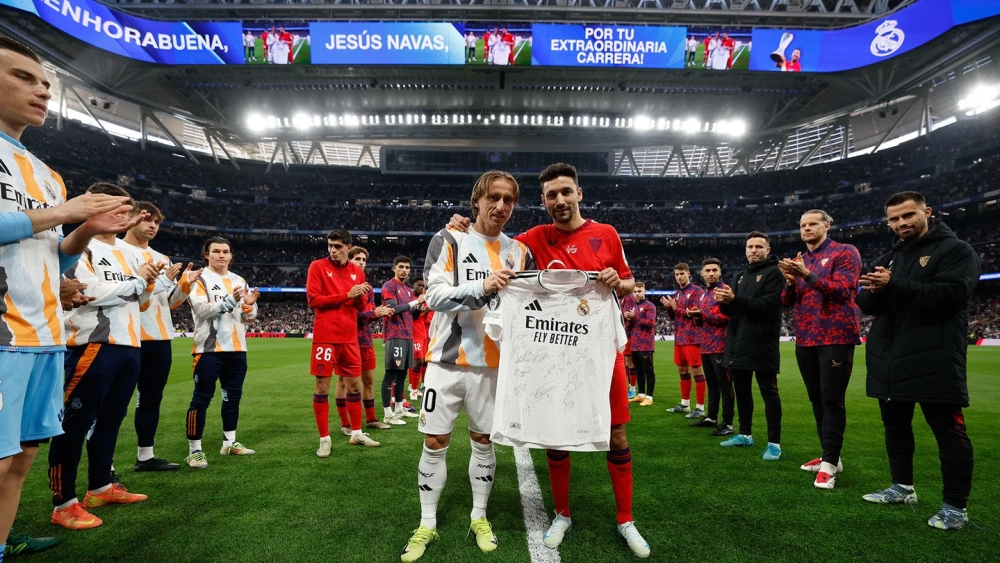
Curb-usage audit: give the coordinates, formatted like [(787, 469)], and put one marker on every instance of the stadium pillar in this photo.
[(666, 165), (829, 133), (894, 126), (679, 149), (163, 128), (62, 106), (222, 147)]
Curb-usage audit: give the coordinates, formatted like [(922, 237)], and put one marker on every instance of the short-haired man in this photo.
[(627, 304), (359, 255), (32, 338), (572, 242), (397, 332), (463, 270), (821, 285), (155, 355), (221, 305), (336, 290), (713, 344), (752, 338), (920, 294), (642, 339), (102, 366), (683, 308)]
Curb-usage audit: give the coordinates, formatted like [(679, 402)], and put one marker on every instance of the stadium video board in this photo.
[(544, 45)]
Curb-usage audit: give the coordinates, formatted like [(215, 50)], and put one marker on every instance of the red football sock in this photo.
[(699, 389), (559, 479), (354, 410), (414, 378), (620, 468), (342, 412), (321, 408), (686, 387), (369, 405), (633, 380)]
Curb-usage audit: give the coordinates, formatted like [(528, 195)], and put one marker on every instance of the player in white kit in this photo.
[(463, 271)]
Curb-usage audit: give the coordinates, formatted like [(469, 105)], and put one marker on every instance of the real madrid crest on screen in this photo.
[(494, 302), (888, 39), (583, 308)]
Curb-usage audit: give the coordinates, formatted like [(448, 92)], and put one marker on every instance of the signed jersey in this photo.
[(559, 333)]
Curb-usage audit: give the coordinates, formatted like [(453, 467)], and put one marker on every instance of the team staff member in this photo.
[(643, 342), (221, 306), (336, 290), (683, 308), (822, 284), (32, 339), (752, 337), (155, 355), (713, 344), (916, 350)]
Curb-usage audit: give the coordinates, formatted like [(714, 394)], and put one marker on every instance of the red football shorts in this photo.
[(687, 356), (343, 360), (619, 392), (368, 359), (628, 348), (419, 349)]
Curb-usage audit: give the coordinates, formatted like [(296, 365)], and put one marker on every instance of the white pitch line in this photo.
[(536, 520)]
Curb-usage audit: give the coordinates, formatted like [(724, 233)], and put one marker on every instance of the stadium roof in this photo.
[(791, 119)]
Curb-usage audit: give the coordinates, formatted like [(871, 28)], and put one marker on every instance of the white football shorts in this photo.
[(448, 389)]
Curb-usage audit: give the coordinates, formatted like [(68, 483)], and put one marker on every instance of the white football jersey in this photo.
[(110, 272), (155, 318), (32, 316), (217, 329), (559, 333), (456, 265)]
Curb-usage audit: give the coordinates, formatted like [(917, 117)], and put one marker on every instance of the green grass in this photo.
[(522, 54), (741, 62), (693, 500)]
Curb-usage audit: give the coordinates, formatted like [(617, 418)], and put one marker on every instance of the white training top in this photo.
[(219, 321), (155, 318), (110, 272), (455, 268), (31, 316), (559, 333)]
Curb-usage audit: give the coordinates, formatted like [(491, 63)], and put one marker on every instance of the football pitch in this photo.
[(694, 501)]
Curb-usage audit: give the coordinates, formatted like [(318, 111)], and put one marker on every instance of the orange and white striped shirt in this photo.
[(155, 319), (31, 316), (110, 272), (219, 323)]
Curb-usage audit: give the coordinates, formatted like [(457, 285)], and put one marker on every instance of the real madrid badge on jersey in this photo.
[(583, 308)]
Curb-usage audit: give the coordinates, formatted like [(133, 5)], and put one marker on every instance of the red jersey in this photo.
[(592, 247), (326, 291), (286, 37), (793, 66), (422, 325)]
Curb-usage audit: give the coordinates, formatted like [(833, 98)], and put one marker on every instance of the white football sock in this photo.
[(432, 474), (100, 490), (686, 402), (67, 504), (700, 407), (194, 446), (482, 468), (387, 411), (229, 435), (145, 454), (827, 468)]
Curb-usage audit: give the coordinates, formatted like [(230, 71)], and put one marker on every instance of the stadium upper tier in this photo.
[(83, 155)]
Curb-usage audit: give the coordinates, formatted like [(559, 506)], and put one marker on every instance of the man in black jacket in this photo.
[(920, 294), (752, 337)]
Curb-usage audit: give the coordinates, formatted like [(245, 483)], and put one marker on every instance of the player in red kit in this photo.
[(572, 242), (289, 39), (336, 290), (421, 338)]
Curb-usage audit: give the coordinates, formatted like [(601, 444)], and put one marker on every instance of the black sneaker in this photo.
[(722, 430), (23, 544), (705, 423), (155, 464)]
